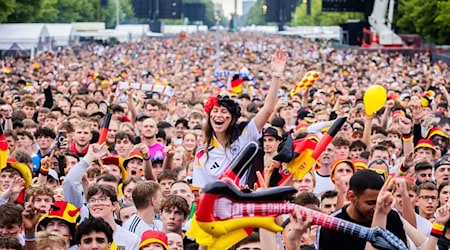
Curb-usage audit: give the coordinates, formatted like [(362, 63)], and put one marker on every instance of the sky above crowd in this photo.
[(228, 6)]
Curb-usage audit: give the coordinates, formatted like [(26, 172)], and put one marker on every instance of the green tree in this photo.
[(6, 8), (48, 13), (319, 18), (255, 15), (126, 13), (24, 11), (430, 19), (443, 22)]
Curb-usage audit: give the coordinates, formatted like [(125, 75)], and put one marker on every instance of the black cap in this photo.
[(141, 116), (444, 160), (97, 112), (157, 158), (270, 131), (305, 114)]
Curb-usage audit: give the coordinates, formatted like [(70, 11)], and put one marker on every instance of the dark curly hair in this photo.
[(93, 225), (234, 130), (231, 105)]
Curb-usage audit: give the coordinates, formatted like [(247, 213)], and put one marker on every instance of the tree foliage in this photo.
[(255, 15), (6, 8), (319, 18), (430, 19), (109, 13), (24, 11), (63, 11), (299, 17)]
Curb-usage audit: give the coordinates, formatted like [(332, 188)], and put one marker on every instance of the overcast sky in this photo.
[(228, 6)]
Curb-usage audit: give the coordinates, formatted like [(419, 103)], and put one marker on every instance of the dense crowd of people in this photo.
[(177, 122)]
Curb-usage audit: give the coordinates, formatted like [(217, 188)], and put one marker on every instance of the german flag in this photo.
[(301, 155), (3, 149), (105, 127), (93, 75), (236, 84)]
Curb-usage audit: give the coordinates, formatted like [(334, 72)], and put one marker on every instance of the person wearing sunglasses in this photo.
[(439, 138)]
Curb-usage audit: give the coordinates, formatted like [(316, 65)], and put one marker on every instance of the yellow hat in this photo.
[(22, 168)]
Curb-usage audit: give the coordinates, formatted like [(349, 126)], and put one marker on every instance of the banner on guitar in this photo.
[(162, 89)]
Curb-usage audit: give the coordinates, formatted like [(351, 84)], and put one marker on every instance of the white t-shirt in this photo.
[(210, 163), (124, 238), (138, 226), (423, 225), (323, 183)]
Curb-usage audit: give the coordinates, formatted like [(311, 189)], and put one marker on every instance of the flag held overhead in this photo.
[(3, 149), (307, 81), (104, 129)]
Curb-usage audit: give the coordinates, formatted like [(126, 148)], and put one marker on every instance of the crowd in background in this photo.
[(139, 189)]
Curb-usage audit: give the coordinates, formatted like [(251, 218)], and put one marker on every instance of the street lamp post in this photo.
[(217, 64), (117, 13)]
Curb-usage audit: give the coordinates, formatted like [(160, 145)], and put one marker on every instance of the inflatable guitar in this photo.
[(223, 210)]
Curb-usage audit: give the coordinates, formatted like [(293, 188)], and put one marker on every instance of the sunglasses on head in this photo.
[(380, 172)]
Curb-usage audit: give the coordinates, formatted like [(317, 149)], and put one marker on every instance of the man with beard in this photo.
[(148, 137), (83, 136), (365, 185), (442, 169), (271, 140), (323, 180)]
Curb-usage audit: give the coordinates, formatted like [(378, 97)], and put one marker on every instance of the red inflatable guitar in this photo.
[(223, 210)]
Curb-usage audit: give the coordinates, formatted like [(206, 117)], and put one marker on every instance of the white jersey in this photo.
[(138, 226), (323, 183), (210, 163), (125, 239)]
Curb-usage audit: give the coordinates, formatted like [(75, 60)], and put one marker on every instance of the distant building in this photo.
[(246, 6)]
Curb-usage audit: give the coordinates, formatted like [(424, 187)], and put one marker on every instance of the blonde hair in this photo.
[(46, 241)]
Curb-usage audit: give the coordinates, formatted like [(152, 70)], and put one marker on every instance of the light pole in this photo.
[(217, 64), (117, 13)]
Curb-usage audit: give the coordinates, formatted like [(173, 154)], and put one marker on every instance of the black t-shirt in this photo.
[(189, 244), (443, 243), (336, 240)]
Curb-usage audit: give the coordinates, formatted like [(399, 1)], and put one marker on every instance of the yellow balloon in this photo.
[(374, 99)]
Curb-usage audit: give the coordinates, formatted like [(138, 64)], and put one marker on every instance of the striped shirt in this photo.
[(138, 226)]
